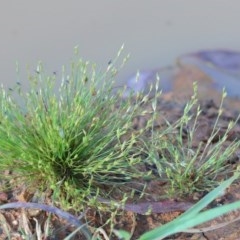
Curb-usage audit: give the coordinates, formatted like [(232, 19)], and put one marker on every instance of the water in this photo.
[(155, 32)]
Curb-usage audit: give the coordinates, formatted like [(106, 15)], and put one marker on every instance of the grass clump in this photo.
[(67, 135), (187, 163)]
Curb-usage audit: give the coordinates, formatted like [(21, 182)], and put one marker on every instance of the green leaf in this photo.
[(192, 217), (122, 234)]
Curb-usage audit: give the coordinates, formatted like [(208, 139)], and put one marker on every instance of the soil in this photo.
[(134, 217)]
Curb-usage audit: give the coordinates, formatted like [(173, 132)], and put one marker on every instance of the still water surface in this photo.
[(154, 32)]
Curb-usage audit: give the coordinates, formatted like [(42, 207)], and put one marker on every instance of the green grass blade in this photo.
[(192, 217), (210, 197), (179, 225)]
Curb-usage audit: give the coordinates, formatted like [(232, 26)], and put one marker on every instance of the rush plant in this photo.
[(186, 167), (69, 134)]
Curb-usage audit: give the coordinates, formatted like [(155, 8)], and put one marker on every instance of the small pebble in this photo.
[(15, 222), (33, 212), (3, 197)]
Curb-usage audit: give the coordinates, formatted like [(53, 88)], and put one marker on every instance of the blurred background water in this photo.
[(155, 32)]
